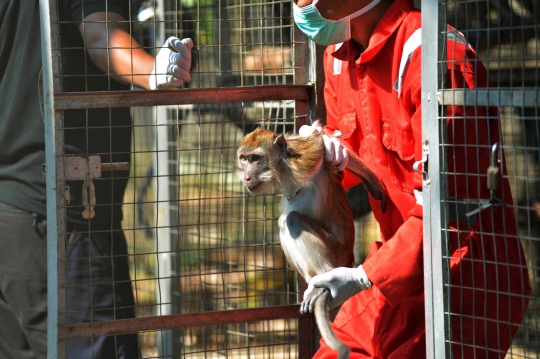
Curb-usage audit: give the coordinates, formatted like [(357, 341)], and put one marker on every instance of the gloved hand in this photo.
[(172, 64), (342, 282), (334, 151), (308, 130)]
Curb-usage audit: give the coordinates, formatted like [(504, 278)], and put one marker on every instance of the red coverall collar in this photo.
[(389, 22)]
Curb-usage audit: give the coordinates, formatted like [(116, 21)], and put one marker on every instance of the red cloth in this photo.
[(384, 129)]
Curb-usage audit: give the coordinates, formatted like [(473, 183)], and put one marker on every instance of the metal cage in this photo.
[(205, 266), (206, 269), (484, 290)]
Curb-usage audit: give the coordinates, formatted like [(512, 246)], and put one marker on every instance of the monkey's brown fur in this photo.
[(316, 222)]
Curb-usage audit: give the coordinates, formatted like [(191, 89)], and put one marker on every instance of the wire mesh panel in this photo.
[(155, 249), (238, 42), (488, 167), (221, 249)]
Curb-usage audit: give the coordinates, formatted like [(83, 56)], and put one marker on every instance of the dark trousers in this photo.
[(23, 285), (99, 289)]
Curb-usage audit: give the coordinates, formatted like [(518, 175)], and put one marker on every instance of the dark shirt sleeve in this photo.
[(79, 9)]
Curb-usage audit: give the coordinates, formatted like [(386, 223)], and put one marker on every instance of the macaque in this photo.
[(316, 222)]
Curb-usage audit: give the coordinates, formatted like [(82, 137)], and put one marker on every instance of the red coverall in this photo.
[(380, 118)]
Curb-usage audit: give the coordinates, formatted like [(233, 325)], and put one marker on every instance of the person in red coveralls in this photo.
[(373, 100)]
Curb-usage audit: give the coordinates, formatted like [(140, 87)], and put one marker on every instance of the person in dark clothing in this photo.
[(98, 54)]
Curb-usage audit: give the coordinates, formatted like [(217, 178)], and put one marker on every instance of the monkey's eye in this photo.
[(249, 158)]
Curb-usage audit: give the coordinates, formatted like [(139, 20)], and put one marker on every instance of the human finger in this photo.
[(179, 73), (308, 130), (344, 159), (183, 47), (328, 149)]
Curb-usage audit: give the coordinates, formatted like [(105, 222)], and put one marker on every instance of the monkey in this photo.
[(316, 222)]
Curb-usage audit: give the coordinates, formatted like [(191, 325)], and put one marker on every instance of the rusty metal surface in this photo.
[(127, 326), (115, 166), (308, 336), (82, 168), (77, 100)]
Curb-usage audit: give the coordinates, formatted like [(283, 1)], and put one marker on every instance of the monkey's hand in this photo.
[(310, 296), (172, 64), (342, 282)]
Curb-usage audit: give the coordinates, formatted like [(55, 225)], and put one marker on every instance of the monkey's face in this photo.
[(255, 172), (254, 162)]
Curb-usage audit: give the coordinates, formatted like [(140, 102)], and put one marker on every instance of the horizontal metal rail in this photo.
[(109, 99), (115, 166), (511, 97), (167, 322)]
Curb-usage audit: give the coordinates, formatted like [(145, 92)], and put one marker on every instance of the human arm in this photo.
[(395, 264), (114, 51)]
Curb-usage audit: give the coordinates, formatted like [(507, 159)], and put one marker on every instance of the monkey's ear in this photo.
[(281, 142)]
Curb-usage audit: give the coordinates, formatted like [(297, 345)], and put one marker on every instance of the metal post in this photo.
[(304, 59), (433, 269), (48, 117), (162, 196), (163, 230), (56, 298)]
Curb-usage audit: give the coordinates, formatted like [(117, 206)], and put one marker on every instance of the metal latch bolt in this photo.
[(80, 168)]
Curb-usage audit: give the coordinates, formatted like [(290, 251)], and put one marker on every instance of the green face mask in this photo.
[(324, 31)]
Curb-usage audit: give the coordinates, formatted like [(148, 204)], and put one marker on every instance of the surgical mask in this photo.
[(325, 31)]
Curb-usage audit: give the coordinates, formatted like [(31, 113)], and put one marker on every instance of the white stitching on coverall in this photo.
[(337, 62), (411, 44)]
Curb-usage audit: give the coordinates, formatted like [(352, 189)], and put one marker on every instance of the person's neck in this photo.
[(362, 27)]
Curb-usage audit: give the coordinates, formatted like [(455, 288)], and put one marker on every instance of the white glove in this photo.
[(342, 282), (334, 151), (172, 64), (308, 130)]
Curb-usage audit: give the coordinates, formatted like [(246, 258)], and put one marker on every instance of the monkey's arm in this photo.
[(309, 248), (312, 250), (356, 166), (370, 180)]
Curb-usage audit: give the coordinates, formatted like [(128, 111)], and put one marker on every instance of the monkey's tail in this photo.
[(321, 311)]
